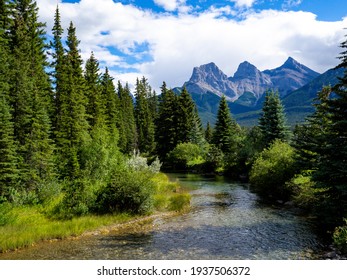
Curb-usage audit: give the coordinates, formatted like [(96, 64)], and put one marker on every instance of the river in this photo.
[(226, 221)]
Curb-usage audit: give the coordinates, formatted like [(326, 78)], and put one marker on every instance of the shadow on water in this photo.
[(226, 221)]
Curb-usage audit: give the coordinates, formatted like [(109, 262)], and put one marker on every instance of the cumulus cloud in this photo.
[(174, 44), (170, 5), (244, 3)]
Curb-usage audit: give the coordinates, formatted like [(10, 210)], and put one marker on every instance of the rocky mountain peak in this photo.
[(246, 70), (209, 72)]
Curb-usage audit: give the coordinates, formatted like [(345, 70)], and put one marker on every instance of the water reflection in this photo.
[(226, 221)]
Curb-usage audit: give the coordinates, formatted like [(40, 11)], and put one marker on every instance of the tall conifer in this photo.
[(166, 124), (272, 122), (144, 117), (226, 129)]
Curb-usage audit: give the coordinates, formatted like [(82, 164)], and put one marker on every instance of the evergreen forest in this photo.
[(74, 142)]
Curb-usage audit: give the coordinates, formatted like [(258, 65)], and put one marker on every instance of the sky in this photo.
[(164, 40)]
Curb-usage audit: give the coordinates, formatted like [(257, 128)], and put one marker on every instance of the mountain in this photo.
[(297, 84), (209, 78), (290, 76), (249, 81)]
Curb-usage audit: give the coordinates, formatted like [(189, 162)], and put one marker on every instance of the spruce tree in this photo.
[(144, 117), (72, 126), (185, 116), (95, 106), (110, 101), (196, 133), (126, 125), (332, 173), (57, 54), (166, 124), (272, 121), (208, 133), (226, 129), (8, 155), (30, 89), (310, 137)]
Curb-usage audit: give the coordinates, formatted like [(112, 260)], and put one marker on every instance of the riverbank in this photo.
[(25, 226)]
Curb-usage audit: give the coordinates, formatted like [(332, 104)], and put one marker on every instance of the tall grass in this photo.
[(32, 226), (23, 226)]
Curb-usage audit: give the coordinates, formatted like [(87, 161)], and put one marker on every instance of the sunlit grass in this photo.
[(28, 225), (32, 226)]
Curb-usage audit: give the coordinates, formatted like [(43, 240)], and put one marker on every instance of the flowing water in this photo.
[(226, 221)]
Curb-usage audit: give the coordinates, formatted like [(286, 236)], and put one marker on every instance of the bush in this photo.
[(304, 190), (186, 155), (179, 202), (128, 191), (75, 201), (340, 238), (272, 169)]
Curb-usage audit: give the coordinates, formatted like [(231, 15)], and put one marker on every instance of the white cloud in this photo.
[(178, 43), (244, 3), (170, 5), (287, 4)]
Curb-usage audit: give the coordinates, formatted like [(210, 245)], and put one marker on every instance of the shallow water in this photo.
[(226, 221)]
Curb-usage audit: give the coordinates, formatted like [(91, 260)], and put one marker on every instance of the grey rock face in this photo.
[(209, 78)]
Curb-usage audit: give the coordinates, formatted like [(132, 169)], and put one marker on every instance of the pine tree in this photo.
[(95, 107), (196, 133), (30, 89), (226, 129), (185, 116), (144, 117), (166, 124), (208, 133), (110, 101), (272, 122), (126, 125), (332, 173), (57, 53), (310, 137), (72, 126), (8, 155)]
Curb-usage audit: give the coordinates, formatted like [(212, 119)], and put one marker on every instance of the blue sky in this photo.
[(164, 39)]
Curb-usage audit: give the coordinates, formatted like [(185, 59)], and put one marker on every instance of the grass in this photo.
[(23, 226), (32, 226)]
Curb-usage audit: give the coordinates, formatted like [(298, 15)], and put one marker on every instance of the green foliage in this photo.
[(272, 169), (226, 129), (179, 202), (166, 128), (272, 122), (304, 190), (9, 172), (340, 237), (128, 191), (7, 217), (126, 124), (185, 155), (144, 118)]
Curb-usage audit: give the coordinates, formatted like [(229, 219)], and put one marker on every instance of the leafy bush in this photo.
[(76, 201), (128, 191), (138, 163), (186, 155), (304, 190), (272, 169), (340, 238)]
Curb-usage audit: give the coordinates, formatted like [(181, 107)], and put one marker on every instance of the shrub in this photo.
[(186, 155), (340, 238), (128, 191), (272, 169)]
